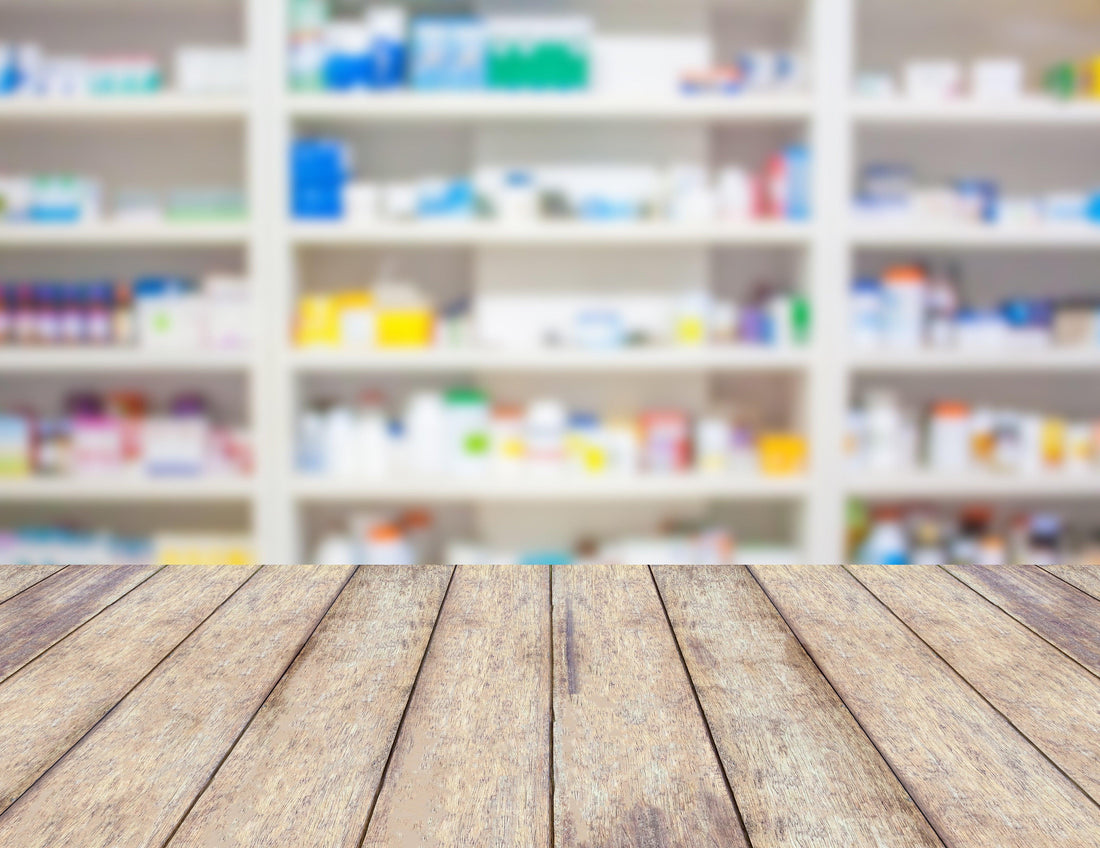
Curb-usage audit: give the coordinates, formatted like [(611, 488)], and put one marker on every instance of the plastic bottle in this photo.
[(426, 433), (887, 543), (942, 306), (122, 322), (387, 545), (545, 430), (467, 423), (867, 314), (388, 46), (904, 289), (949, 439)]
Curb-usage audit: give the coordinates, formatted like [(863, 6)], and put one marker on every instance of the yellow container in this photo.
[(405, 328), (782, 454), (318, 321), (1092, 78)]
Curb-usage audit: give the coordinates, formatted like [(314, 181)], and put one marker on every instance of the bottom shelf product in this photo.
[(889, 535), (411, 538), (63, 545)]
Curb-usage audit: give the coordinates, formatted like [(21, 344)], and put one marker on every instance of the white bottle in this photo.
[(426, 434)]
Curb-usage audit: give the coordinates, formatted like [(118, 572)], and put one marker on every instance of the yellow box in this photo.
[(318, 321), (782, 454), (405, 328), (1092, 78)]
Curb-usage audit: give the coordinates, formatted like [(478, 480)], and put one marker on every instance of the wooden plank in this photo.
[(1046, 695), (15, 578), (1084, 577), (471, 765), (976, 778), (1062, 614), (52, 609), (803, 771), (633, 761), (307, 769), (131, 779), (48, 705)]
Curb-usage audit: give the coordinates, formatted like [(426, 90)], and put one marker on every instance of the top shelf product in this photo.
[(383, 50)]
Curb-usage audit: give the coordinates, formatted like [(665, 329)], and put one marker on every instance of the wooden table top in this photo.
[(573, 706)]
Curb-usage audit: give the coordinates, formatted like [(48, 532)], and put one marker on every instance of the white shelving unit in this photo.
[(283, 258)]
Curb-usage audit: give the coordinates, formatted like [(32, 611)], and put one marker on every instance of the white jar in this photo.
[(867, 314), (905, 299), (949, 438), (467, 425)]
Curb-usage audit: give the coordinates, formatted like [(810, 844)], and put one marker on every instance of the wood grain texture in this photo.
[(15, 578), (803, 771), (633, 761), (1045, 694), (1084, 577), (48, 705), (1062, 614), (978, 781), (130, 780), (305, 772), (471, 765), (52, 609)]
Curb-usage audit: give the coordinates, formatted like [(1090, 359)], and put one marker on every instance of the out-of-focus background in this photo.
[(693, 281)]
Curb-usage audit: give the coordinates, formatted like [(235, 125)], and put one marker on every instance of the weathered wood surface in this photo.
[(1049, 697), (50, 610), (977, 779), (307, 769), (209, 708), (132, 778), (15, 578), (1062, 614), (471, 765), (803, 771), (633, 761), (1084, 577), (48, 705)]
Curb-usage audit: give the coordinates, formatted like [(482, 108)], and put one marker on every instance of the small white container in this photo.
[(997, 79), (362, 202), (933, 79), (949, 439)]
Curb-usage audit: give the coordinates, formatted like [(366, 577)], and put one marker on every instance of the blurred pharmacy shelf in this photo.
[(532, 488), (905, 485), (125, 490), (627, 361), (487, 234), (109, 234), (978, 361), (962, 236), (133, 109), (398, 134), (463, 107), (1024, 112), (120, 360)]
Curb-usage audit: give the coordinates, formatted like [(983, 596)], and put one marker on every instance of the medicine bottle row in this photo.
[(28, 70), (61, 545), (393, 315), (990, 79), (955, 437), (323, 188), (530, 51), (916, 306), (122, 435), (889, 535), (152, 313), (413, 537), (890, 192), (73, 199), (462, 434)]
